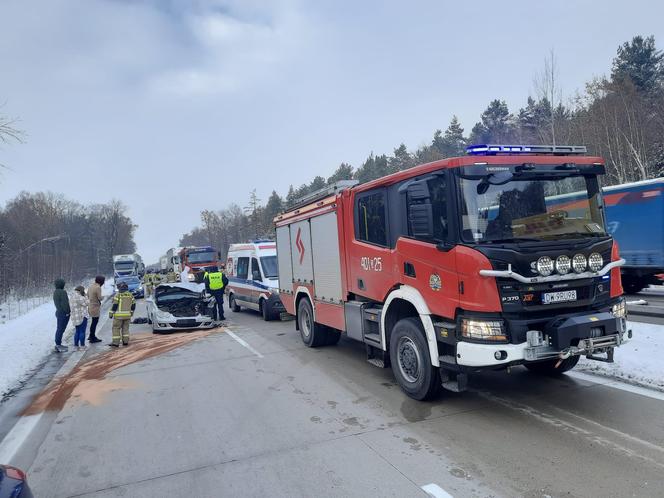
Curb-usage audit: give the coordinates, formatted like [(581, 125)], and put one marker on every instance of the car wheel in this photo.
[(232, 304), (313, 334), (551, 367), (411, 362), (266, 310)]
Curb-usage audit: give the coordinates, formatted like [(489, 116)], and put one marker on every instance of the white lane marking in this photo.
[(243, 343), (573, 429), (616, 384), (15, 438), (436, 491), (21, 431)]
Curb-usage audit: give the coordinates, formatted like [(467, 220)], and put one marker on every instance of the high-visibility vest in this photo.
[(125, 301), (216, 280)]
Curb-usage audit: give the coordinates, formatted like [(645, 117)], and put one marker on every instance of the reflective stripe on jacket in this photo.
[(215, 279), (124, 301)]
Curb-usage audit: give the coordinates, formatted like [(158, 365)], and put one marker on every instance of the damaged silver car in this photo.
[(180, 306)]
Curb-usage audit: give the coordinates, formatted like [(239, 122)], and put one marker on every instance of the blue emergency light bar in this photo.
[(493, 149)]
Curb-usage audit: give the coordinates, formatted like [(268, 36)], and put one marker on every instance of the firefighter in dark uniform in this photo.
[(215, 282)]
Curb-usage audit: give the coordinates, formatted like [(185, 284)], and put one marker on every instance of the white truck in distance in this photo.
[(126, 265)]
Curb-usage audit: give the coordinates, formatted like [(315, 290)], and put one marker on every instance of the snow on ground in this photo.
[(640, 361), (28, 339)]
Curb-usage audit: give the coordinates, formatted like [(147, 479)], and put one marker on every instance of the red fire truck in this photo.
[(486, 261)]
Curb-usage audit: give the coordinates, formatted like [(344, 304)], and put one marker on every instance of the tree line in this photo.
[(44, 236), (619, 116)]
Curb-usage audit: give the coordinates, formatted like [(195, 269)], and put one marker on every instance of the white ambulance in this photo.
[(253, 280)]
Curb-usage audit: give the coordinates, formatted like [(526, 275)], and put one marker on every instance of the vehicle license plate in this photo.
[(558, 297)]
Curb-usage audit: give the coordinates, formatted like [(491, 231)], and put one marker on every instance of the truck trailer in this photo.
[(126, 265), (635, 218), (459, 265)]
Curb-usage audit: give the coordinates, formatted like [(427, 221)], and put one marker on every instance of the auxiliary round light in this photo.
[(579, 263), (545, 266), (595, 261), (563, 264)]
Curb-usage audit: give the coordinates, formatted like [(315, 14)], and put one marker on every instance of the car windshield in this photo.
[(202, 257), (124, 266), (128, 281), (269, 264), (533, 206)]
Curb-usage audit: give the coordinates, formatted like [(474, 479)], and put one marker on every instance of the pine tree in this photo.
[(291, 197), (343, 172), (496, 125), (640, 62), (401, 159), (453, 139), (273, 207)]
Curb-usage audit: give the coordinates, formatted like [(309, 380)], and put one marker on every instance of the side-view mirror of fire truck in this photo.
[(482, 262)]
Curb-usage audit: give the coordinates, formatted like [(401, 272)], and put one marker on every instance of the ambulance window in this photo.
[(242, 267), (370, 219), (255, 270)]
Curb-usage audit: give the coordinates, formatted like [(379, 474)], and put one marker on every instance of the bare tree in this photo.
[(548, 91)]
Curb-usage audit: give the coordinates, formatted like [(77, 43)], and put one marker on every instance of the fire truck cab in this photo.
[(486, 261)]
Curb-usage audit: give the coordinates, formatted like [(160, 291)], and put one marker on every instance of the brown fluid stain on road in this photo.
[(85, 380)]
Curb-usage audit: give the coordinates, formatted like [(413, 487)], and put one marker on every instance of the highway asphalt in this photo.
[(247, 410)]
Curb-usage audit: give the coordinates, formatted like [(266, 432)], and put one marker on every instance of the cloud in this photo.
[(234, 48)]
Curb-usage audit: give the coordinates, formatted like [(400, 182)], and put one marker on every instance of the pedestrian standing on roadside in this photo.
[(94, 309), (123, 308), (62, 312), (79, 316)]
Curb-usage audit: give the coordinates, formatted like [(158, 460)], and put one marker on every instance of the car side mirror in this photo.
[(256, 275)]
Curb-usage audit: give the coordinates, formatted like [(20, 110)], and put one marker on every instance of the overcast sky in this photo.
[(182, 105)]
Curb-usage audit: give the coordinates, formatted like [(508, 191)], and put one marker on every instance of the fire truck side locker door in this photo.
[(302, 263), (285, 268)]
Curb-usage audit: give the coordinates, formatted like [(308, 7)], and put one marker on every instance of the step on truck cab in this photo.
[(486, 261), (253, 279)]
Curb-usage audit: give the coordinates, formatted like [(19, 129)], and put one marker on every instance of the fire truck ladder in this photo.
[(324, 192)]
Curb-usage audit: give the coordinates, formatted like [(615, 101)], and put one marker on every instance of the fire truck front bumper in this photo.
[(594, 336)]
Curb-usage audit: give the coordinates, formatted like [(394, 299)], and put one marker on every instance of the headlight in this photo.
[(579, 263), (595, 261), (619, 310), (563, 264), (484, 330), (545, 266)]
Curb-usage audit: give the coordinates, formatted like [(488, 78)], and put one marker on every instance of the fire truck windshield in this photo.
[(202, 257), (531, 207)]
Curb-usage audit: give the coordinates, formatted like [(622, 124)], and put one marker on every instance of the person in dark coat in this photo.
[(62, 313)]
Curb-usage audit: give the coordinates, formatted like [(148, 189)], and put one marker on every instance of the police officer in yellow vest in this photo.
[(215, 282), (123, 308)]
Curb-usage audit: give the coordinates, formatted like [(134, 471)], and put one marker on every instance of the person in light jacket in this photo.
[(94, 295), (79, 315)]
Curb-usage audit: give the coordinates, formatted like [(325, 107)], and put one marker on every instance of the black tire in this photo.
[(548, 367), (266, 310), (232, 304), (633, 286), (411, 362), (332, 336), (312, 333)]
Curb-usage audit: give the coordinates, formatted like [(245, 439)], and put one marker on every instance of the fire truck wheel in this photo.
[(548, 367), (313, 334), (333, 336), (232, 304), (411, 363)]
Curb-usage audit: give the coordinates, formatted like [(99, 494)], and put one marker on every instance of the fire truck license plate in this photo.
[(558, 297)]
